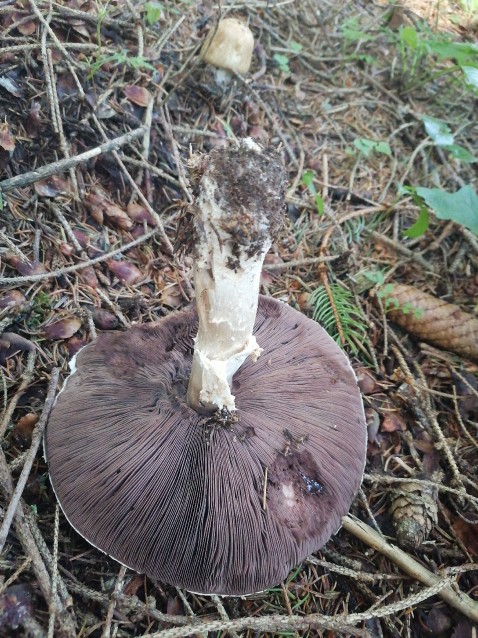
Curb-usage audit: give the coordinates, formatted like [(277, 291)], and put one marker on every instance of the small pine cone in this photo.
[(414, 512)]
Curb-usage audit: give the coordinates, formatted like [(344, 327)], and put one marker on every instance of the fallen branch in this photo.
[(64, 165), (84, 264), (36, 440), (456, 599)]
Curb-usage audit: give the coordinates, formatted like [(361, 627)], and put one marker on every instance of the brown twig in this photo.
[(111, 607), (27, 466), (26, 378), (84, 264), (64, 165), (458, 600)]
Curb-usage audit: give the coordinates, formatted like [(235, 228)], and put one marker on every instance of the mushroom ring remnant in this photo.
[(226, 503)]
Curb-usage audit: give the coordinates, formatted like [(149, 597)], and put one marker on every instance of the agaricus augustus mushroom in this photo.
[(229, 48), (178, 450)]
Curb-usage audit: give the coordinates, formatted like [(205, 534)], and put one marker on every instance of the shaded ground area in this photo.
[(360, 96)]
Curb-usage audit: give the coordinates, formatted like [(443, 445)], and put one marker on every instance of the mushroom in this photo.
[(192, 458), (229, 48)]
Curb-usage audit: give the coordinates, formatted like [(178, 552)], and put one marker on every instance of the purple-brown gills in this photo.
[(225, 484)]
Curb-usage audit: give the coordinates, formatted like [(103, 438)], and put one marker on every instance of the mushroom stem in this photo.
[(238, 209)]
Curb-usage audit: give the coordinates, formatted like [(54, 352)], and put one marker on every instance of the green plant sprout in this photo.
[(282, 62), (154, 11), (102, 13), (441, 134), (367, 147), (122, 57), (415, 45), (354, 326), (385, 291), (308, 182)]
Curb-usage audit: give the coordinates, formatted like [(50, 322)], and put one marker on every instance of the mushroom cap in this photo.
[(212, 504), (229, 46)]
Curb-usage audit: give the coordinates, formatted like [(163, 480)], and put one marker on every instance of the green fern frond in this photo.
[(350, 315)]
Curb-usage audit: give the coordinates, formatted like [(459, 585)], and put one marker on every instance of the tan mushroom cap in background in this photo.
[(229, 46)]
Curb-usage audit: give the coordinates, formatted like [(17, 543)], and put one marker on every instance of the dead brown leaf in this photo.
[(467, 533), (140, 214), (7, 141), (24, 267), (26, 28), (62, 329), (53, 186), (126, 272), (137, 94), (11, 299)]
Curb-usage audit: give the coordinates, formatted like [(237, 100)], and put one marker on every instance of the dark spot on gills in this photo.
[(313, 487)]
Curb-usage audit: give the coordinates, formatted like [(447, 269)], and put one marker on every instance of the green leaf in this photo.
[(319, 204), (471, 75), (420, 226), (460, 153), (366, 146), (295, 47), (351, 30), (462, 52), (461, 207), (282, 62), (154, 11), (438, 130), (308, 180), (375, 276), (409, 36)]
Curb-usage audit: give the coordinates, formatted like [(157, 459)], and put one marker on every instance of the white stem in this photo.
[(232, 241)]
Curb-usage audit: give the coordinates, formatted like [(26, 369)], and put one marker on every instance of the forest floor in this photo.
[(375, 107)]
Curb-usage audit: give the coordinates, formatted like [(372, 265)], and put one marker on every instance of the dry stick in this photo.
[(223, 613), (30, 548), (141, 163), (52, 91), (113, 307), (111, 607), (459, 600), (54, 576), (298, 263), (167, 128), (352, 573), (148, 121), (26, 378), (274, 622), (399, 248), (14, 249), (189, 610), (5, 585), (126, 603), (36, 440), (371, 478), (52, 34), (47, 557), (68, 269), (68, 230), (64, 165), (55, 106)]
